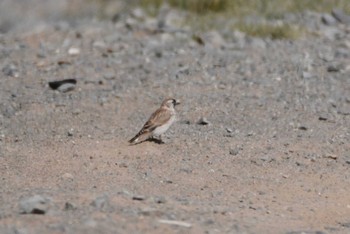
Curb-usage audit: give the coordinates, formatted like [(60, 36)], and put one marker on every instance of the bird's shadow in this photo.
[(154, 140)]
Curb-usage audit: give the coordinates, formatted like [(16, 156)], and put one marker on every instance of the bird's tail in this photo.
[(141, 136), (134, 139)]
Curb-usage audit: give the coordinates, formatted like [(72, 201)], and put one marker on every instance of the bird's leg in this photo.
[(160, 139), (157, 139)]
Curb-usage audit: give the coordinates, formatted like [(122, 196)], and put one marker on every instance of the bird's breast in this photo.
[(163, 128)]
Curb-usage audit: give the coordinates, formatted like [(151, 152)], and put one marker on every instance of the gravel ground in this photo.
[(272, 155)]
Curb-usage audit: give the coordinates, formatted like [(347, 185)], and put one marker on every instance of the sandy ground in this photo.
[(273, 158)]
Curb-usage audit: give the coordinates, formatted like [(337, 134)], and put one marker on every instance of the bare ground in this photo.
[(274, 157)]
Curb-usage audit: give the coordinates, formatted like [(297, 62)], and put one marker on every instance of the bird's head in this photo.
[(170, 102)]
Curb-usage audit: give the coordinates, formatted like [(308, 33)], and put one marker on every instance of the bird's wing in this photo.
[(158, 118)]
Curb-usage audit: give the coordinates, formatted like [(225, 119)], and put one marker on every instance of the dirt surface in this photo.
[(273, 158)]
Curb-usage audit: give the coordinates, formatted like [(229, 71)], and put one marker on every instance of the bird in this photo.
[(158, 123)]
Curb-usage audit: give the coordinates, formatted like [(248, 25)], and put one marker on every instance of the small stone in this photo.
[(159, 199), (109, 76), (73, 51), (328, 19), (342, 53), (101, 203), (203, 121), (138, 13), (303, 128), (138, 198), (322, 118), (341, 16), (66, 87), (185, 122), (334, 68), (70, 132), (19, 231), (229, 130), (214, 39), (306, 75), (234, 151), (34, 205), (11, 70), (69, 206), (99, 44), (67, 176), (332, 156)]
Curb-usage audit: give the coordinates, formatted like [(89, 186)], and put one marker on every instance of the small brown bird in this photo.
[(158, 123)]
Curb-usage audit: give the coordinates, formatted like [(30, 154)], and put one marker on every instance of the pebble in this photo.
[(234, 151), (138, 198), (101, 203), (333, 68), (176, 223), (341, 16), (203, 121), (109, 76), (66, 87), (34, 205), (332, 156), (99, 44), (68, 176), (69, 206), (303, 128), (328, 19), (73, 51), (159, 199), (70, 132), (11, 70)]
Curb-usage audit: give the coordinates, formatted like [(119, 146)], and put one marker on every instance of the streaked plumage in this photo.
[(158, 123)]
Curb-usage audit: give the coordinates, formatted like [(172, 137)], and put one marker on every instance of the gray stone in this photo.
[(109, 76), (203, 121), (102, 203), (328, 19), (66, 87), (342, 53), (10, 70), (69, 206), (341, 16), (34, 205)]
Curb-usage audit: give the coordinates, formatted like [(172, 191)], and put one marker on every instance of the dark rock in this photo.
[(138, 198), (234, 151), (159, 199), (69, 206), (109, 76), (66, 88), (10, 70), (63, 85), (341, 16), (346, 225), (334, 68), (203, 121), (34, 205), (70, 132), (328, 19), (303, 128), (342, 53), (185, 122)]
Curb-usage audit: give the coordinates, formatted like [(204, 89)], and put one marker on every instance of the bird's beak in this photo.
[(177, 102)]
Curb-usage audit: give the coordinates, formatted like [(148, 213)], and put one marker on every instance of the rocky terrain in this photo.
[(261, 145)]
